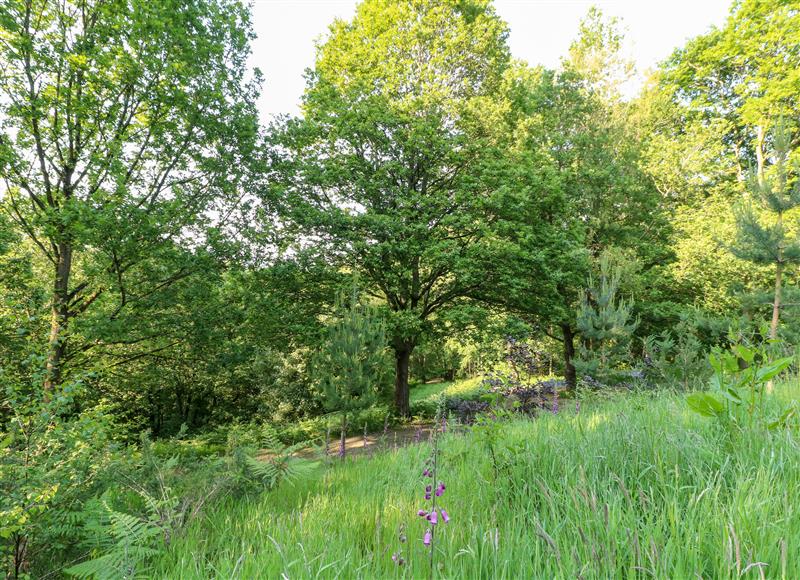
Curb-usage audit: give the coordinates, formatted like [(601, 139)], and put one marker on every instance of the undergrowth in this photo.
[(632, 486)]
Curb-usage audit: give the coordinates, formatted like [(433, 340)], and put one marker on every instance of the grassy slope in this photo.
[(632, 487), (431, 391)]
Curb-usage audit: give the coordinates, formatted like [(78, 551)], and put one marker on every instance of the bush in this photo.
[(466, 411), (68, 490), (674, 361), (51, 462)]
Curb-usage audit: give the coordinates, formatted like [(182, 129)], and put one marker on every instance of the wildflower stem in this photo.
[(432, 555)]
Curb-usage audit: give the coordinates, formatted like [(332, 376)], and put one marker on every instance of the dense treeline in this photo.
[(169, 264), (178, 261)]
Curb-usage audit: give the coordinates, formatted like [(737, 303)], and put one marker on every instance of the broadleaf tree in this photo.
[(578, 192), (385, 171), (122, 125)]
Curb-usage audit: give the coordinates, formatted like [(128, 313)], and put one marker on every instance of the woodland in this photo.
[(454, 286)]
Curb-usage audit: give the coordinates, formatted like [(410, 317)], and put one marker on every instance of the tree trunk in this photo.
[(776, 303), (570, 376), (760, 138), (402, 355), (59, 319), (776, 311)]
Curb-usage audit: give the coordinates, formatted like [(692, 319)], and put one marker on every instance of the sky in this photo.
[(540, 33)]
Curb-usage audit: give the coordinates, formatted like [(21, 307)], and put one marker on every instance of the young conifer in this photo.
[(351, 368), (606, 325), (762, 237)]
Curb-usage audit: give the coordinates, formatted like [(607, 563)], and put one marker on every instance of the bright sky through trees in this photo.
[(541, 31)]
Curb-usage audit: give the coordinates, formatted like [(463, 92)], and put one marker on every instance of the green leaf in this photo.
[(705, 404), (773, 369), (730, 363), (732, 396), (716, 383), (746, 354), (715, 360), (8, 440)]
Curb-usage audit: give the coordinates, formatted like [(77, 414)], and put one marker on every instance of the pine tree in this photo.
[(606, 325), (768, 242), (351, 368)]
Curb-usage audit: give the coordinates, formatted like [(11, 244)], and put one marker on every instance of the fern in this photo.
[(131, 540), (279, 464), (122, 543)]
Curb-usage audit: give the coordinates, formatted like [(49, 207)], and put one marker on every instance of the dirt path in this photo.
[(394, 438)]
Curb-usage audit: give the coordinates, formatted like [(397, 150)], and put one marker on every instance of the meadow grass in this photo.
[(431, 391), (632, 487)]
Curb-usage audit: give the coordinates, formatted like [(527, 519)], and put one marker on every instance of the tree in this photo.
[(740, 79), (574, 191), (351, 364), (609, 195), (709, 116), (543, 260), (606, 325), (122, 124), (597, 55), (385, 173), (771, 243)]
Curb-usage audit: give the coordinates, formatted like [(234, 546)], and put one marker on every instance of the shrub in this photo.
[(51, 462), (674, 361), (466, 411), (736, 395)]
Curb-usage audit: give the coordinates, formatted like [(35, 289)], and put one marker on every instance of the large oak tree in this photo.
[(385, 171)]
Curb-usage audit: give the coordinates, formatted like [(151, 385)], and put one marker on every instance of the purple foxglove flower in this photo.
[(426, 473), (428, 489), (422, 513), (427, 539), (440, 490), (427, 496), (445, 517), (434, 519)]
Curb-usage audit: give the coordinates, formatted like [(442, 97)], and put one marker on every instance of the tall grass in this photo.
[(431, 391), (633, 487)]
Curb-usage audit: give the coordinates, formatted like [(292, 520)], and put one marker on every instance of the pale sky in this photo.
[(541, 32)]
